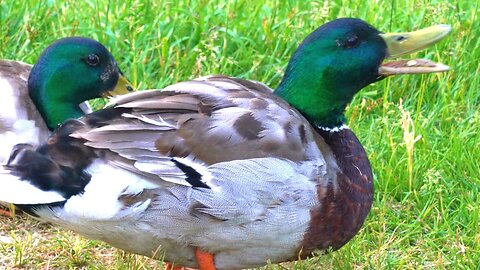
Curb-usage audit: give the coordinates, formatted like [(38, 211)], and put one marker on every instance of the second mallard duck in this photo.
[(36, 100), (219, 172), (69, 71)]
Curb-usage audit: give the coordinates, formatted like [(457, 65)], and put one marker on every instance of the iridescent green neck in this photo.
[(306, 94), (57, 95), (55, 114), (314, 93), (55, 105)]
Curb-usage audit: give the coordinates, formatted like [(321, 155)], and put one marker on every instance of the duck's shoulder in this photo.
[(14, 69), (13, 81), (18, 115), (14, 89)]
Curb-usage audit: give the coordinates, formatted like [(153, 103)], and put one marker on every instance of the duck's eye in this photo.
[(400, 38), (352, 41), (92, 60)]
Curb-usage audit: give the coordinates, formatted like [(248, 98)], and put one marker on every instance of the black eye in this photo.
[(400, 38), (92, 60), (352, 41)]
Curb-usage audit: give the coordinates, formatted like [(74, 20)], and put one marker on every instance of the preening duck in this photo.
[(69, 71), (221, 172), (36, 100)]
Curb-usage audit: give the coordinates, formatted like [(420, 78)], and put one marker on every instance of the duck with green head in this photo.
[(36, 100), (221, 172)]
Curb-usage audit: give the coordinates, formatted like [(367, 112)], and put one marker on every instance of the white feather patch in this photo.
[(196, 87), (9, 103), (201, 168), (13, 190), (14, 121), (334, 129), (85, 107), (165, 170), (100, 201), (22, 131), (160, 122)]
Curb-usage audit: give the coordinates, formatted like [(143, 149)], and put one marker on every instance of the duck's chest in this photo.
[(345, 200)]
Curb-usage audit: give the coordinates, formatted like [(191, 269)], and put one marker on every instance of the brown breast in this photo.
[(347, 198)]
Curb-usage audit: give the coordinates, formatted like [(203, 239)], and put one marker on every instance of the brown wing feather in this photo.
[(212, 119)]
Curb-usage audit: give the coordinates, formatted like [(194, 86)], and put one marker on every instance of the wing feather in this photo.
[(209, 120)]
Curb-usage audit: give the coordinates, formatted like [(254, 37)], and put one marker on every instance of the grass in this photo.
[(421, 132)]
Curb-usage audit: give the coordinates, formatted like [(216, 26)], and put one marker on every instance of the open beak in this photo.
[(404, 43), (122, 87)]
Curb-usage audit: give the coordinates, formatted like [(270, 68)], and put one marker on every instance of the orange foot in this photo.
[(5, 213), (204, 260)]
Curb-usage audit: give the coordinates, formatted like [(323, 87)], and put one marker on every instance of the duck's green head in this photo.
[(340, 58), (69, 72)]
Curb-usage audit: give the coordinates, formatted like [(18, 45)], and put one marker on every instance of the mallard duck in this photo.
[(219, 172), (34, 103)]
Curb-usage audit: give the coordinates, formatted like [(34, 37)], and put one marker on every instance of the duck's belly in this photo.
[(243, 225), (156, 234), (141, 238)]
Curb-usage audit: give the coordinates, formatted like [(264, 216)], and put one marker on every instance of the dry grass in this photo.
[(26, 243)]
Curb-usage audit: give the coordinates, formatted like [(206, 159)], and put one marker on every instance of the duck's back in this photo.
[(213, 119)]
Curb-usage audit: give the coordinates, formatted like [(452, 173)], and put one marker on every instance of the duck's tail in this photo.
[(16, 179), (15, 190)]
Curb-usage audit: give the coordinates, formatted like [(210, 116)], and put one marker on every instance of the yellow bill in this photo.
[(122, 87), (404, 43)]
